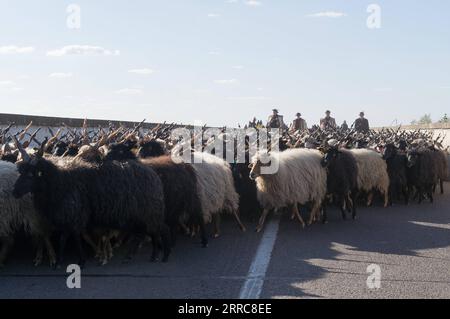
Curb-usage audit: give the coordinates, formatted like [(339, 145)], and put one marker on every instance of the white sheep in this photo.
[(216, 188), (372, 174), (300, 179), (18, 214)]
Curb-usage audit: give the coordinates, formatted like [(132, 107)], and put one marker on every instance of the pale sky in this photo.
[(221, 62)]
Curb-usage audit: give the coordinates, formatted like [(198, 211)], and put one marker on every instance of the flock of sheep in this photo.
[(109, 187)]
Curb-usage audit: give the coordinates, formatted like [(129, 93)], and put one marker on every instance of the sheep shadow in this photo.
[(312, 263)]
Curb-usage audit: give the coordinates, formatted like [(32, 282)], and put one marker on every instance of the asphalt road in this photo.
[(410, 244)]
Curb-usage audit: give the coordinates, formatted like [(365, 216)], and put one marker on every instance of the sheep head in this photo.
[(330, 156), (389, 151), (121, 151), (259, 161), (91, 154)]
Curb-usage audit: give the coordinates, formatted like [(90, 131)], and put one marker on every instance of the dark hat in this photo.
[(298, 114), (275, 110), (327, 111)]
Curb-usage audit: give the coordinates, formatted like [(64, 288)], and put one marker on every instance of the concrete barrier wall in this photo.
[(55, 123), (23, 120), (40, 136), (437, 129), (443, 132)]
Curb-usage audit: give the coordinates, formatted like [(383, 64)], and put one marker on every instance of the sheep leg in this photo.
[(386, 199), (241, 226), (99, 250), (185, 229), (121, 236), (81, 256), (50, 251), (39, 251), (110, 250), (62, 247), (352, 198), (297, 214), (369, 199), (292, 215), (420, 194), (203, 235), (103, 250), (216, 225), (165, 237), (262, 219), (193, 230), (91, 243), (134, 246), (430, 194), (314, 213), (155, 248), (405, 194), (342, 204), (391, 195), (8, 242), (173, 234), (324, 214), (349, 204)]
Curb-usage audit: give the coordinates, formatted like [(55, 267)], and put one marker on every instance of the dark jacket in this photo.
[(362, 125)]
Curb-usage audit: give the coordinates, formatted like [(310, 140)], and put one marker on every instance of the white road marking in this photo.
[(255, 278)]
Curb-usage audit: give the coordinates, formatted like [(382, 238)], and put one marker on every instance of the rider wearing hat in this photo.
[(299, 124), (362, 124), (327, 122), (275, 120)]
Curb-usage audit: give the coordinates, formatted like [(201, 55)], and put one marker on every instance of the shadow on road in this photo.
[(326, 260)]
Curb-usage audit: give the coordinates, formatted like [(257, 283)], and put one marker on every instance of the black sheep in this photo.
[(342, 173), (440, 160), (397, 171), (117, 196), (181, 194), (246, 188), (60, 148), (182, 202), (9, 157), (422, 173), (151, 148)]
